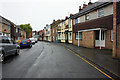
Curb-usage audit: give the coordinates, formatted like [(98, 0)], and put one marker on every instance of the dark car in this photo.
[(8, 47), (25, 43)]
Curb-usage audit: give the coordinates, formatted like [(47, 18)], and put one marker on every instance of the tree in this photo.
[(27, 28)]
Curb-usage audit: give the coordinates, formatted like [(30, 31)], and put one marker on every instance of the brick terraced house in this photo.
[(8, 28), (93, 26), (54, 31), (5, 27)]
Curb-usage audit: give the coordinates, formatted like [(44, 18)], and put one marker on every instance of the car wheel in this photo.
[(2, 57), (17, 51)]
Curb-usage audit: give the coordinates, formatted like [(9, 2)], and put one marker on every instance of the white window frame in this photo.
[(87, 16), (78, 19), (100, 11), (16, 30), (80, 34), (111, 35)]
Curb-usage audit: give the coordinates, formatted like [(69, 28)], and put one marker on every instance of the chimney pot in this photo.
[(70, 15), (84, 5), (80, 8)]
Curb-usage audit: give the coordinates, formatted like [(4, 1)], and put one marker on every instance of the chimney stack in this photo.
[(53, 20), (66, 17), (89, 2), (80, 8), (84, 5), (70, 15)]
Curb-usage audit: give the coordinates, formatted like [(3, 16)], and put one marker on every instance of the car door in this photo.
[(12, 46)]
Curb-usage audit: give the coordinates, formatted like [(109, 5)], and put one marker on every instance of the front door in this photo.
[(66, 37), (100, 38)]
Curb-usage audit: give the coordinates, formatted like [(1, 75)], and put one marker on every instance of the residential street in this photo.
[(48, 60)]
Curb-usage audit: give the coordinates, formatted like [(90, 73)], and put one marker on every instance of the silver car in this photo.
[(8, 47)]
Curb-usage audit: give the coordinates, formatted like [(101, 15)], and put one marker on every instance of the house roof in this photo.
[(90, 8), (6, 21), (103, 22)]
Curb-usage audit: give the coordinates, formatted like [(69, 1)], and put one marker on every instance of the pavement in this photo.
[(102, 58), (49, 60)]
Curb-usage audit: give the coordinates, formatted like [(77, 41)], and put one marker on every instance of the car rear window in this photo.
[(4, 39), (24, 40)]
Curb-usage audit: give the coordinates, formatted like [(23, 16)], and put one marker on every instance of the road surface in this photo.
[(48, 60)]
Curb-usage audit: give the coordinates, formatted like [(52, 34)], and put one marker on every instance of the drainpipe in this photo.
[(100, 38), (78, 38)]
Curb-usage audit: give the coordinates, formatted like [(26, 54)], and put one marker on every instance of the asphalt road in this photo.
[(47, 60)]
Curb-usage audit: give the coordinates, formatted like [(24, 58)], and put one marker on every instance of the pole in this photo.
[(100, 38), (78, 38)]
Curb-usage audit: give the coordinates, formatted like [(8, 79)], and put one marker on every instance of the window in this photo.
[(2, 25), (102, 35), (97, 34), (101, 12), (70, 36), (87, 16), (75, 21), (80, 36), (111, 35), (59, 36), (64, 23), (56, 30), (16, 30), (70, 23), (8, 28), (79, 20), (53, 30)]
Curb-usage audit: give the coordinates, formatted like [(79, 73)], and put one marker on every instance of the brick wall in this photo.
[(118, 41), (108, 42), (87, 41), (6, 29)]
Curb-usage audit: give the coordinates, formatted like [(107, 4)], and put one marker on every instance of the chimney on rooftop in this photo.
[(89, 2), (84, 5), (80, 8), (66, 17), (71, 15), (53, 20)]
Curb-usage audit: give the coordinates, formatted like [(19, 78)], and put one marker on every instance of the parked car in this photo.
[(32, 40), (8, 47), (25, 43)]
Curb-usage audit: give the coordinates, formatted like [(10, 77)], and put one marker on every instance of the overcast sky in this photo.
[(38, 12)]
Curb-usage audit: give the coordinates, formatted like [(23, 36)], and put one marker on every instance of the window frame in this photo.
[(111, 38), (101, 12), (87, 16), (80, 36)]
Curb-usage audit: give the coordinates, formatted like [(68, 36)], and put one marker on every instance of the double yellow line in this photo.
[(90, 64)]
